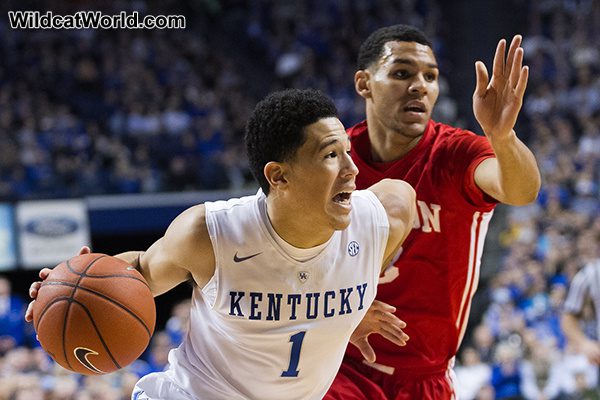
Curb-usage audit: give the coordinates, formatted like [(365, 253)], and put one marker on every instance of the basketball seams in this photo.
[(64, 336), (63, 325), (51, 303), (85, 275), (70, 301), (118, 276), (89, 314), (105, 297)]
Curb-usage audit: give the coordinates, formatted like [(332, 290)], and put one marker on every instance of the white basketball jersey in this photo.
[(267, 326)]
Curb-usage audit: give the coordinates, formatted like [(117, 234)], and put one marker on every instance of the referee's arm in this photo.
[(571, 318)]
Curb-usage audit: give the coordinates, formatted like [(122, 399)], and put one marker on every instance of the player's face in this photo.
[(322, 175), (403, 87)]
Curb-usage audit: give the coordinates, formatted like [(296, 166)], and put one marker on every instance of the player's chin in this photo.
[(413, 129), (339, 221)]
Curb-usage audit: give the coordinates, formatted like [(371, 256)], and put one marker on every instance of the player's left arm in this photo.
[(513, 176), (399, 200)]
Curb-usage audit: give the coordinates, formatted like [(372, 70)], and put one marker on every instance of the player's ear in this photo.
[(362, 83), (275, 173)]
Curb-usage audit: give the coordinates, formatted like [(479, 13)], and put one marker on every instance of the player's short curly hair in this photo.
[(275, 130), (372, 47)]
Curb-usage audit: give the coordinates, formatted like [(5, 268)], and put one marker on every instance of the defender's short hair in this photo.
[(372, 47)]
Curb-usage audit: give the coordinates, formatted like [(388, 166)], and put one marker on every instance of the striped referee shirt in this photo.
[(585, 283)]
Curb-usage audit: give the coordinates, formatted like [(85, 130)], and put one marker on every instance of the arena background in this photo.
[(133, 126)]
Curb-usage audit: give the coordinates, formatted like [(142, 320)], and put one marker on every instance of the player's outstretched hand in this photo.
[(497, 101), (35, 286), (380, 319)]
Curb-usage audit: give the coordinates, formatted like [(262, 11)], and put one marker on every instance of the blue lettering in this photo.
[(309, 297), (361, 293), (294, 299), (274, 306), (329, 312), (345, 301), (254, 297), (235, 303)]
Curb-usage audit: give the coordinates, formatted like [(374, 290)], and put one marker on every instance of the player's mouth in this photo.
[(343, 199), (415, 108)]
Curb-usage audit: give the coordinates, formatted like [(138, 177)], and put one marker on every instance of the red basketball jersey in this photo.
[(434, 279)]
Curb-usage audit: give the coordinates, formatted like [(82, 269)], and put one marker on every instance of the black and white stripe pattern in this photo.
[(585, 284)]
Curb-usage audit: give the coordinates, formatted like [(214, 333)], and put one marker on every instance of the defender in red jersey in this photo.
[(459, 177)]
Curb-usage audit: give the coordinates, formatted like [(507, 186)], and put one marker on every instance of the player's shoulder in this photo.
[(589, 271), (357, 130), (189, 223), (445, 131), (237, 203)]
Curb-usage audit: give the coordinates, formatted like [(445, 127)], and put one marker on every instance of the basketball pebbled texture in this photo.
[(94, 314)]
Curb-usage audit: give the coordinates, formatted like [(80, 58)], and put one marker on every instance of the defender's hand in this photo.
[(497, 102), (380, 319)]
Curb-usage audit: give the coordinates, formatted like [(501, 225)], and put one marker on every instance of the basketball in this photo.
[(94, 314)]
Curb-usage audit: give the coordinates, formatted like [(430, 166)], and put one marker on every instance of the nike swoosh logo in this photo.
[(240, 259), (81, 354)]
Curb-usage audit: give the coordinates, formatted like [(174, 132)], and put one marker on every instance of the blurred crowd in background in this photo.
[(95, 112)]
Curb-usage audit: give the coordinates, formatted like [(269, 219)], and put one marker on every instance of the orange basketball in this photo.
[(94, 314)]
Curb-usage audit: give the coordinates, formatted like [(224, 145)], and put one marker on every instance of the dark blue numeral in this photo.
[(296, 340)]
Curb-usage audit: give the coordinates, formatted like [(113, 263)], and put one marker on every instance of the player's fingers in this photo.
[(391, 319), (29, 312), (398, 338), (44, 273), (510, 58), (515, 71), (482, 79), (522, 83), (394, 330), (388, 318), (381, 306), (365, 349), (498, 68), (33, 289), (85, 250)]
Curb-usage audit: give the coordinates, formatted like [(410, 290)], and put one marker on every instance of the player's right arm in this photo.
[(185, 251), (399, 200)]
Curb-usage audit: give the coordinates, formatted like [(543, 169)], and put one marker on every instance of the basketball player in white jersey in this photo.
[(282, 278)]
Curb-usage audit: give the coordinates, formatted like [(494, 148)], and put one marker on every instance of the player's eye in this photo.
[(430, 77), (401, 74), (331, 154)]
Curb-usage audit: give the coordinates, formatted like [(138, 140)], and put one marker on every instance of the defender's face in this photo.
[(322, 175), (403, 87)]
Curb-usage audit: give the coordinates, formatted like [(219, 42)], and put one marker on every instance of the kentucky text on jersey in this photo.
[(277, 306)]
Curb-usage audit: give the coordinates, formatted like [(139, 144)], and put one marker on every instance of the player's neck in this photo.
[(388, 145), (298, 230)]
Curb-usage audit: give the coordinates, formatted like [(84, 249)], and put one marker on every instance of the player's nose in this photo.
[(418, 85), (350, 169)]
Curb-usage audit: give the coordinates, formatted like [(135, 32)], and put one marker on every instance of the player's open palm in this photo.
[(497, 101), (35, 286), (380, 319)]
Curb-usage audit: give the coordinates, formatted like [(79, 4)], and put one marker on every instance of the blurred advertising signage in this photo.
[(8, 254), (51, 231)]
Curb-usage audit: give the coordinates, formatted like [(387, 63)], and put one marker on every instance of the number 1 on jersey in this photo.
[(296, 340)]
